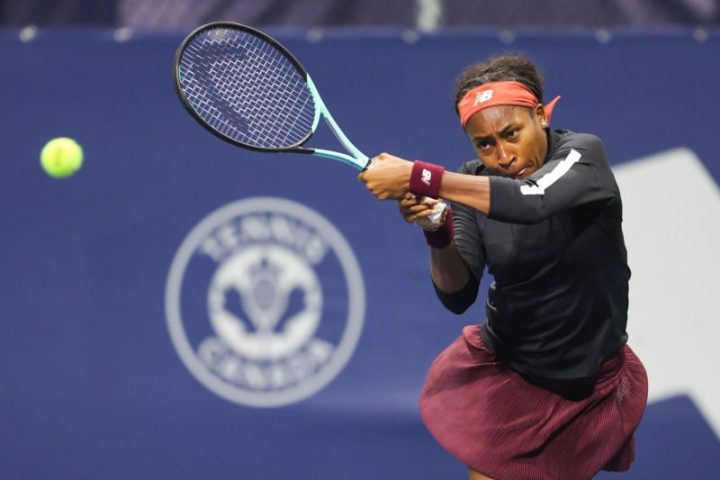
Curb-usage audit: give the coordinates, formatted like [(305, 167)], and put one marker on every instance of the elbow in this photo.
[(458, 302), (525, 216), (535, 217), (457, 308)]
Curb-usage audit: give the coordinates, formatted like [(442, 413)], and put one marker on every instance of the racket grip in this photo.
[(437, 219), (367, 165)]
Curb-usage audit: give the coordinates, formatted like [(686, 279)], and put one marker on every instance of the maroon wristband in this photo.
[(425, 179), (444, 235)]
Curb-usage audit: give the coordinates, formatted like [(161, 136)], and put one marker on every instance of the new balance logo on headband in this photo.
[(483, 97)]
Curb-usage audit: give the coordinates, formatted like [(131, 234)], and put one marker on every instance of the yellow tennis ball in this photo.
[(61, 157)]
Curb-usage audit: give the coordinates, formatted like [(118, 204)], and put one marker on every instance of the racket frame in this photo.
[(355, 159)]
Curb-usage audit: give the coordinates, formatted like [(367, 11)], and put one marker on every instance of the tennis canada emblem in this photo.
[(265, 302)]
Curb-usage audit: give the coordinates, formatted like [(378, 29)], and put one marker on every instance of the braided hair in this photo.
[(508, 67)]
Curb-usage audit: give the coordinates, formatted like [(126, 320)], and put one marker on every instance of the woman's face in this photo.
[(509, 139)]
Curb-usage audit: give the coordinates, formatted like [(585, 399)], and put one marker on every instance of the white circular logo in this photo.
[(265, 302)]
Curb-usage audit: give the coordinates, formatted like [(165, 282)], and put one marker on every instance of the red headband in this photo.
[(499, 93)]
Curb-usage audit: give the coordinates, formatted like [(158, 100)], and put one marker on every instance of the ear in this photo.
[(540, 115)]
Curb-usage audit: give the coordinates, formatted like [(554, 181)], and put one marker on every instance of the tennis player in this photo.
[(546, 388)]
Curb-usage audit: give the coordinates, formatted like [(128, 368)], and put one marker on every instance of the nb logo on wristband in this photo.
[(426, 176)]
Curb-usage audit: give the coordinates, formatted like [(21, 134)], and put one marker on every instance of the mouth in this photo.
[(522, 173)]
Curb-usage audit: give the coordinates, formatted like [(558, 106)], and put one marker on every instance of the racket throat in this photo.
[(358, 163), (356, 158)]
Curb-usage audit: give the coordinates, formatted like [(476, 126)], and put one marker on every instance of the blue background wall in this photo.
[(90, 384)]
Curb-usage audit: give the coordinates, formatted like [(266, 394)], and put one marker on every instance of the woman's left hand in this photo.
[(387, 177)]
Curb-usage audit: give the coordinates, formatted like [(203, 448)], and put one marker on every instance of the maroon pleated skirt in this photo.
[(502, 425)]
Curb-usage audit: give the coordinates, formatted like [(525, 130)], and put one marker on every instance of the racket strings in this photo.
[(245, 88)]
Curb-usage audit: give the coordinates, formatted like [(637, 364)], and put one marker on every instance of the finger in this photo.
[(395, 196), (408, 218), (424, 214), (412, 200), (428, 201), (419, 216), (419, 207)]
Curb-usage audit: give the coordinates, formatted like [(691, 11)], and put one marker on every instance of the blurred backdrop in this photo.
[(116, 283), (424, 14)]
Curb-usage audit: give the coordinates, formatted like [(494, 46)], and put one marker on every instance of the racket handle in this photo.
[(434, 221), (367, 165)]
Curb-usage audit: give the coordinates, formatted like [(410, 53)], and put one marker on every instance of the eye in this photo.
[(483, 144), (513, 133)]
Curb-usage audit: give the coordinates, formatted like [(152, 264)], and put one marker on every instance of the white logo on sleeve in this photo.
[(483, 97), (426, 176)]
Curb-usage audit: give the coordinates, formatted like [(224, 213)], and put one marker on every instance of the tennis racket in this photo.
[(249, 90)]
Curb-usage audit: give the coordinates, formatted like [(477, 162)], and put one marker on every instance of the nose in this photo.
[(505, 157)]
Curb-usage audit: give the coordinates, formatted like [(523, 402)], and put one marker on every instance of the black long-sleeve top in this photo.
[(554, 244)]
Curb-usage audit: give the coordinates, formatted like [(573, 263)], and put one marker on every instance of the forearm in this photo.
[(449, 271), (470, 190)]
